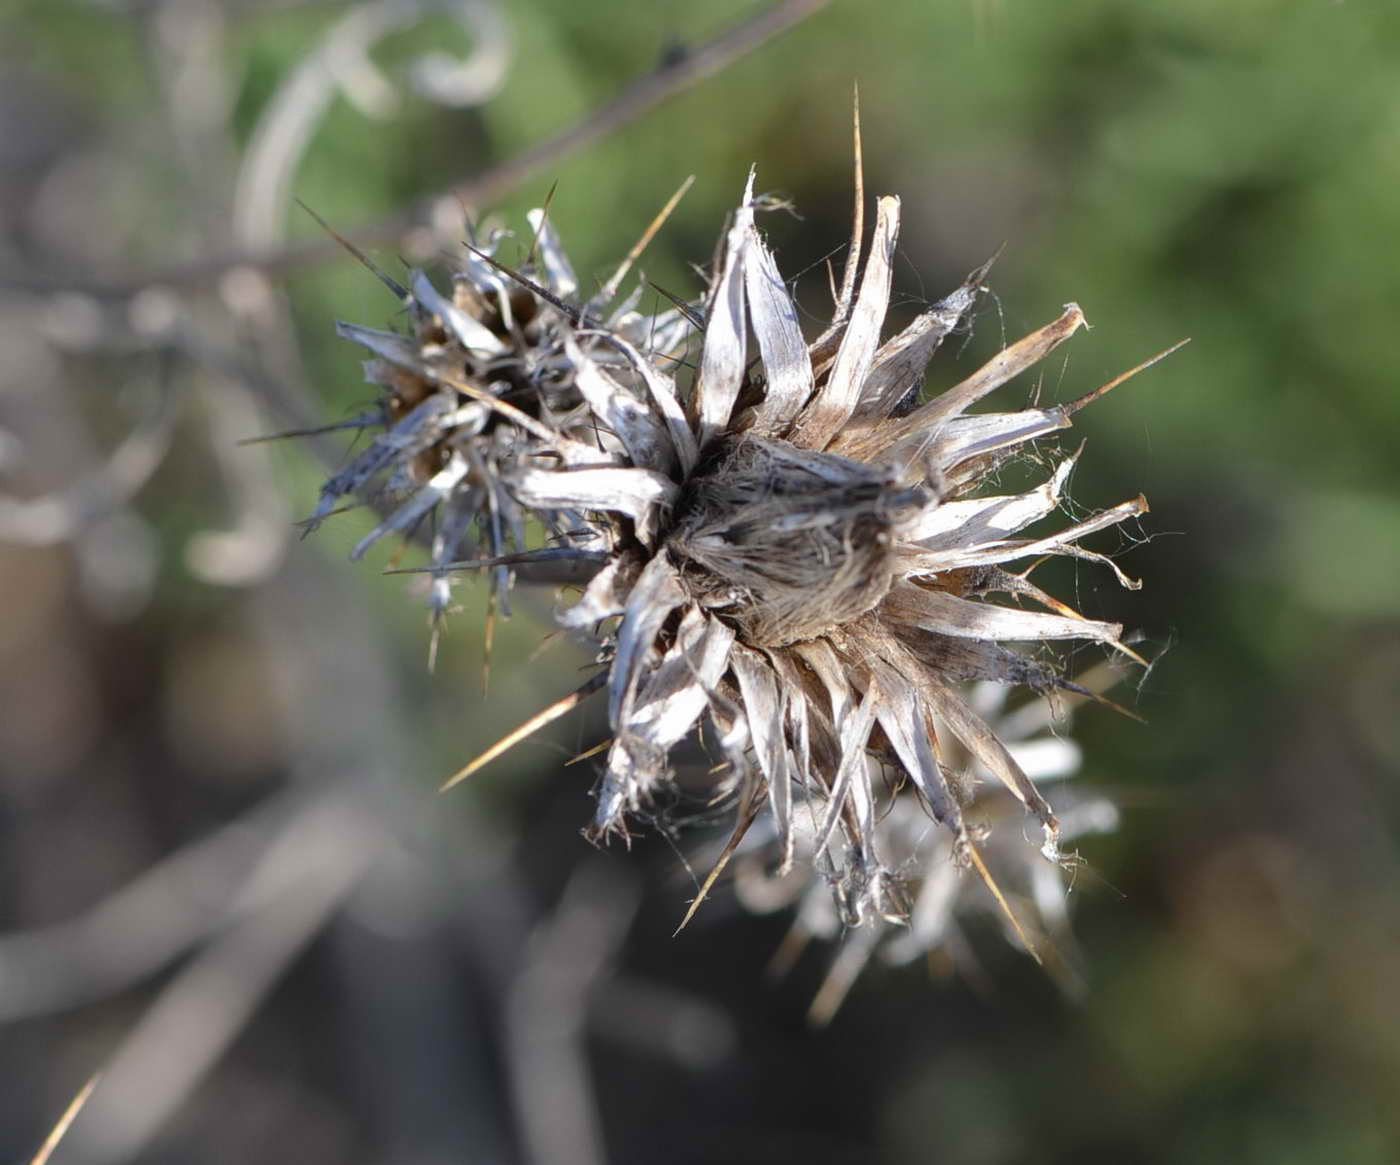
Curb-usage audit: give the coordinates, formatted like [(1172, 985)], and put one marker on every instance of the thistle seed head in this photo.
[(789, 556), (785, 543)]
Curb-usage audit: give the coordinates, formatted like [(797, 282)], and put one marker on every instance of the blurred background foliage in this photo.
[(1226, 172)]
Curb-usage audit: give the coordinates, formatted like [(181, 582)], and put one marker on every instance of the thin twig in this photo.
[(671, 78), (546, 1016), (59, 1130), (203, 1009)]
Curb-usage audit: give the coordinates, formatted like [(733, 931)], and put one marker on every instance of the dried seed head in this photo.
[(475, 390), (940, 893), (784, 551), (785, 543)]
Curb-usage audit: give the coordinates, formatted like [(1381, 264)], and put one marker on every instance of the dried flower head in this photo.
[(1028, 894), (788, 552), (476, 387)]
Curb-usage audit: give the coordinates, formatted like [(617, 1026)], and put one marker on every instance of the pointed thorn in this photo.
[(594, 751), (360, 422), (391, 283), (518, 558), (697, 321), (1130, 653), (611, 286), (490, 642), (740, 830), (544, 218), (1088, 693), (574, 315), (529, 728), (1089, 398), (496, 404), (974, 278), (995, 890)]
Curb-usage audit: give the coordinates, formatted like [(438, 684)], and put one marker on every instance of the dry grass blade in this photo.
[(65, 1122), (529, 728), (642, 95)]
